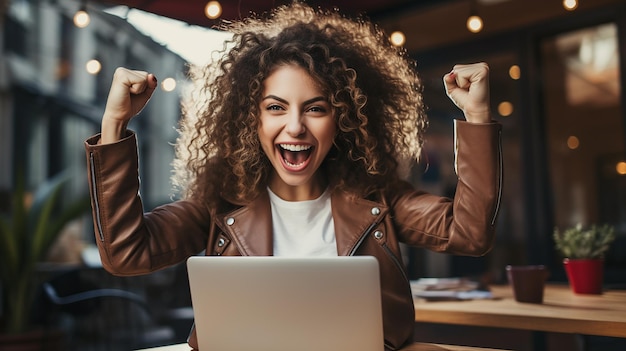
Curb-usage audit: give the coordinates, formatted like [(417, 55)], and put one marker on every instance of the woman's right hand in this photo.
[(129, 93)]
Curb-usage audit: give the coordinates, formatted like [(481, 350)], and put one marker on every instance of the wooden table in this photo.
[(414, 347), (562, 311)]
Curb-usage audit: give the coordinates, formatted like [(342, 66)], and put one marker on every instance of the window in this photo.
[(584, 126)]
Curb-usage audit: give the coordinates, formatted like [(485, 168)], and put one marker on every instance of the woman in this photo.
[(302, 124)]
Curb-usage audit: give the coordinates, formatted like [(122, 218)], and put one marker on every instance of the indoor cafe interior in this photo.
[(557, 75)]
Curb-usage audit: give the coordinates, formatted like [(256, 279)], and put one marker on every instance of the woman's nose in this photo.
[(295, 126)]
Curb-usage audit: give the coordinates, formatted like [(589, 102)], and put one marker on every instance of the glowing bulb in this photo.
[(397, 38), (570, 5), (474, 24), (93, 67), (573, 143), (621, 168), (81, 19), (505, 108), (168, 84), (515, 72), (213, 9)]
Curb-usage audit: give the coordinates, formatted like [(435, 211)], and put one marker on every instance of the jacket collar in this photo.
[(250, 226)]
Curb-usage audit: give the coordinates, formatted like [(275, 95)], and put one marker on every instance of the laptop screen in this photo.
[(285, 304)]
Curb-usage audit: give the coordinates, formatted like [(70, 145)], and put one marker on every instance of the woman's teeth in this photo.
[(295, 148)]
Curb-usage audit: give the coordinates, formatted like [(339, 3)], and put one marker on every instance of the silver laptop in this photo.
[(286, 304)]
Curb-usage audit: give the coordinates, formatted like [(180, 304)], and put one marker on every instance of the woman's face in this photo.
[(296, 131)]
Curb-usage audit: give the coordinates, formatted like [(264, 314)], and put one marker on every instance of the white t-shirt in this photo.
[(303, 228)]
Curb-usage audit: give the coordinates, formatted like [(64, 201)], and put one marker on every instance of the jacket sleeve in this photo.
[(464, 225), (129, 241)]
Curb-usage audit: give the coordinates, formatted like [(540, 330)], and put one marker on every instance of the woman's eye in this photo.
[(317, 109), (274, 108)]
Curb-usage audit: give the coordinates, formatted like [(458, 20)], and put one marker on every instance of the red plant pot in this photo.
[(585, 275)]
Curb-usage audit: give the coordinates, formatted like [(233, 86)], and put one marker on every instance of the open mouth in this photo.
[(295, 156)]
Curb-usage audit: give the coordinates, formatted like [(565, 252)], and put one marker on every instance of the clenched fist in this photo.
[(129, 93), (468, 87)]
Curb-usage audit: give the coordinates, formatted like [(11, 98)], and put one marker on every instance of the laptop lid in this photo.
[(285, 304)]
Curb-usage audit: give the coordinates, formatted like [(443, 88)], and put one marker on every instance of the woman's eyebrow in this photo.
[(309, 101), (276, 98), (315, 99)]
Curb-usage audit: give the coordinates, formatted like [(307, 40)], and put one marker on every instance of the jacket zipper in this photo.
[(500, 175), (390, 254), (365, 234), (95, 195), (395, 261), (399, 267)]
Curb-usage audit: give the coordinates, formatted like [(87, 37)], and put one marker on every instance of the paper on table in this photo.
[(448, 289), (457, 284)]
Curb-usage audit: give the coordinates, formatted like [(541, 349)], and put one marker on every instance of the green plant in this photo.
[(26, 235), (580, 242)]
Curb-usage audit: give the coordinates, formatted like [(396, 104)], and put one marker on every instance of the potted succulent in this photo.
[(583, 249), (27, 232)]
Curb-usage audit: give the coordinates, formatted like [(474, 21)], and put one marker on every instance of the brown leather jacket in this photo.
[(132, 242)]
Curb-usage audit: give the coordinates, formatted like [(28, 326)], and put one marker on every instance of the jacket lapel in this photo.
[(250, 227), (354, 219)]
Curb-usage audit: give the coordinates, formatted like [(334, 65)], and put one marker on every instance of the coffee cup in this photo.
[(528, 282)]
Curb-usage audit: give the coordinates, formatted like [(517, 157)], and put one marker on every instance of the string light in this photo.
[(573, 142), (570, 5), (505, 108), (213, 9), (621, 168), (93, 66), (515, 72), (397, 38), (168, 84), (81, 17), (474, 22)]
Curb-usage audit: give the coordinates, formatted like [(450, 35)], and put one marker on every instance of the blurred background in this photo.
[(557, 78)]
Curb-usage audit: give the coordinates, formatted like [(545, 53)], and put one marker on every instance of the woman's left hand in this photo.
[(468, 87)]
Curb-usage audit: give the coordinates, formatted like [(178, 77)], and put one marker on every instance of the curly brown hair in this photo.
[(371, 84)]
